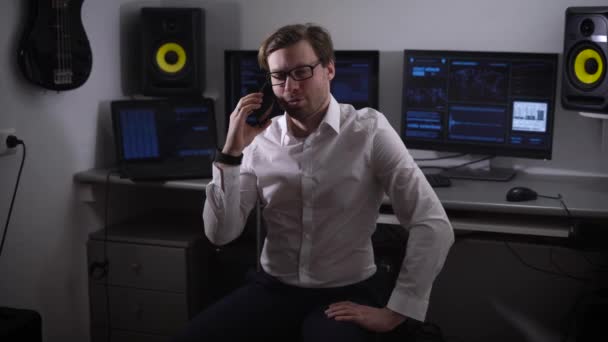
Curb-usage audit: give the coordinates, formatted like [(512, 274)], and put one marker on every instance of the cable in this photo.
[(440, 158), (105, 252), (560, 198), (559, 268), (599, 267), (471, 162), (512, 250), (12, 142), (99, 270), (444, 168)]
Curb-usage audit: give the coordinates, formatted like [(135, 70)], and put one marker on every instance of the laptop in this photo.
[(164, 139)]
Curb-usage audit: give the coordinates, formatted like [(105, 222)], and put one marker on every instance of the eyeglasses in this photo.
[(300, 73)]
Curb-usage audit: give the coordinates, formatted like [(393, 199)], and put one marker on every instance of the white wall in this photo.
[(43, 265)]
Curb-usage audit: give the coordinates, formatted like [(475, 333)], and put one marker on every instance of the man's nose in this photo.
[(291, 84)]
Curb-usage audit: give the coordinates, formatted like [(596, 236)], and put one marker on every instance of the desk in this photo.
[(475, 205), (484, 291)]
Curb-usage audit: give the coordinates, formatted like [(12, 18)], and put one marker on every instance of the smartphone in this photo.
[(268, 100)]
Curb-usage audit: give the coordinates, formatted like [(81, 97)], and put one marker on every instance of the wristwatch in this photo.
[(228, 159)]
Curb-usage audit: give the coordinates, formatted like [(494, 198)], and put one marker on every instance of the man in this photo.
[(320, 173)]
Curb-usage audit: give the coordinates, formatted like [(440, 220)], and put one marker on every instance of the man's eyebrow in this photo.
[(297, 66)]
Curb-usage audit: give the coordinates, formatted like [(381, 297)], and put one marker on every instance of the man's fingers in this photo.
[(339, 311), (248, 108), (351, 318), (249, 99), (342, 309)]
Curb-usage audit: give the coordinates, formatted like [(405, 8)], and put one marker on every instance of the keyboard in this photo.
[(437, 180)]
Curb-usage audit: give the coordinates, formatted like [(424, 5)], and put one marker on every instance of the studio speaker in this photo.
[(584, 81), (172, 53)]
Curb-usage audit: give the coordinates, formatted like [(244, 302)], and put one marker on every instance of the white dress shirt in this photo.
[(320, 197)]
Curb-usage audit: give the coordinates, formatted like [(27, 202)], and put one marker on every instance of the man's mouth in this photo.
[(295, 101)]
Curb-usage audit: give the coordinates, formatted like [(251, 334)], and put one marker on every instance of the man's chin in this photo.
[(295, 111), (296, 114)]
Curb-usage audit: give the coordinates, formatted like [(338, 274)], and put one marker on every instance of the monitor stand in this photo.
[(492, 174)]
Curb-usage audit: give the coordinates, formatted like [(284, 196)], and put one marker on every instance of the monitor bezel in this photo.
[(477, 147)]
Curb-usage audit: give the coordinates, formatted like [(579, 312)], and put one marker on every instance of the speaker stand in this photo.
[(604, 118)]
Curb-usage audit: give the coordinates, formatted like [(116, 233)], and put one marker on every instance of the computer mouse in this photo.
[(520, 194)]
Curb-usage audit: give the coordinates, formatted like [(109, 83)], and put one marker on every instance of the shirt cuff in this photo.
[(225, 175), (408, 305)]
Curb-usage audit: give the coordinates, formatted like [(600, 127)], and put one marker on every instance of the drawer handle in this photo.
[(136, 267)]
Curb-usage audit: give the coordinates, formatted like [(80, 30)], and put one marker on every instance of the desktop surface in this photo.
[(584, 196)]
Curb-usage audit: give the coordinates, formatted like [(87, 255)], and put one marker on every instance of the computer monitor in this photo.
[(494, 103), (356, 80)]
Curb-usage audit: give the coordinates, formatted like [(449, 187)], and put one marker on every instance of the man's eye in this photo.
[(299, 73)]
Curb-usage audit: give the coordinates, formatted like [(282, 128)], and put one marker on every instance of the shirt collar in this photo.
[(331, 119)]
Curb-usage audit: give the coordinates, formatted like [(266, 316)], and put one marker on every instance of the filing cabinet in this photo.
[(154, 281)]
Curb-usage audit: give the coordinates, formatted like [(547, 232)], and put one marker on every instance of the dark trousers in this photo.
[(273, 311)]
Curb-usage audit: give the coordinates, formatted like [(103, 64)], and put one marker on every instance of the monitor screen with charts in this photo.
[(494, 103), (164, 139)]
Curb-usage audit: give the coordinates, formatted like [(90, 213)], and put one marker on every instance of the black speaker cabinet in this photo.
[(584, 81), (172, 51)]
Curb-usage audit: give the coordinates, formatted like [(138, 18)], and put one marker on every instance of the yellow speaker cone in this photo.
[(174, 50), (582, 59)]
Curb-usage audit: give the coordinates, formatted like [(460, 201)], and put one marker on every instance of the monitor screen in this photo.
[(496, 103), (356, 80), (164, 129)]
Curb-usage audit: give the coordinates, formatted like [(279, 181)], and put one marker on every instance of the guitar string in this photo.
[(69, 71), (62, 29), (60, 37), (69, 48), (58, 43), (63, 39), (59, 28), (64, 32)]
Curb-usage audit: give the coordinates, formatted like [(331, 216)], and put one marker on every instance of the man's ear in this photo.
[(331, 70)]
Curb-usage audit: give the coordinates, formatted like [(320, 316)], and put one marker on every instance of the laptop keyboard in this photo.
[(437, 180)]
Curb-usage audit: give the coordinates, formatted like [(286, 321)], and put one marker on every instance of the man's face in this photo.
[(301, 99)]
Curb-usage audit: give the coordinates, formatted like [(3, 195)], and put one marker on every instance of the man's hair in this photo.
[(317, 36)]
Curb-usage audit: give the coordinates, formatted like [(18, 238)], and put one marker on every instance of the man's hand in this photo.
[(371, 318), (240, 134)]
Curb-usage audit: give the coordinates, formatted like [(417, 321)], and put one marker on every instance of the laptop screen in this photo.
[(160, 130)]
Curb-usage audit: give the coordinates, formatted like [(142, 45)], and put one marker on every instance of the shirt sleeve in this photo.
[(230, 196), (419, 210)]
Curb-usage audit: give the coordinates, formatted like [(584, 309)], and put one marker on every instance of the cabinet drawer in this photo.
[(137, 310), (141, 266)]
